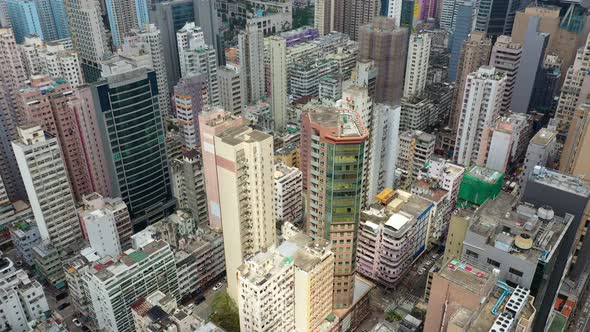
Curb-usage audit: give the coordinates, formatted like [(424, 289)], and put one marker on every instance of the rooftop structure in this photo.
[(479, 184)]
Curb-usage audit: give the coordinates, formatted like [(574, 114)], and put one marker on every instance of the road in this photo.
[(203, 310)]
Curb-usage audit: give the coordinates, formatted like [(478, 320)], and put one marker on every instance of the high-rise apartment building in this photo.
[(125, 15), (198, 57), (43, 101), (244, 161), (251, 54), (288, 193), (89, 35), (323, 18), (394, 11), (190, 99), (11, 78), (482, 101), (266, 293), (361, 12), (45, 176), (188, 184), (278, 82), (99, 214), (113, 281), (231, 91), (475, 52), (385, 42), (506, 57), (146, 40), (541, 151), (417, 64), (212, 123), (333, 142), (81, 103), (415, 149), (136, 161), (574, 156)]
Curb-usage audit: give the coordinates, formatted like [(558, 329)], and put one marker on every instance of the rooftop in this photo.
[(263, 266), (543, 137), (466, 275), (560, 181), (484, 174), (343, 120), (305, 252), (524, 231), (243, 134)]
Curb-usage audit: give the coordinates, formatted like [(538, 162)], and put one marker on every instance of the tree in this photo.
[(225, 312)]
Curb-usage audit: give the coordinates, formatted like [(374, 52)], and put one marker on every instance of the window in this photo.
[(471, 253), (515, 272), (493, 262)]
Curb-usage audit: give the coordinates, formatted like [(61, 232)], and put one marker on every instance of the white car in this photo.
[(421, 271), (217, 286), (76, 322), (435, 256)]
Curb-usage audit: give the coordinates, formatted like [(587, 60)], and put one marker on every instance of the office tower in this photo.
[(52, 59), (406, 223), (448, 12), (475, 53), (214, 122), (288, 184), (190, 99), (231, 91), (188, 184), (125, 15), (251, 52), (533, 50), (106, 224), (146, 40), (81, 104), (541, 151), (415, 149), (23, 299), (24, 19), (43, 101), (463, 296), (89, 36), (265, 285), (245, 179), (461, 33), (417, 65), (566, 34), (12, 76), (278, 82), (575, 90), (48, 189), (313, 262), (46, 18), (384, 42), (574, 156), (547, 87), (495, 18), (342, 135), (482, 100), (361, 12), (506, 57), (146, 268), (136, 162), (60, 19), (198, 57)]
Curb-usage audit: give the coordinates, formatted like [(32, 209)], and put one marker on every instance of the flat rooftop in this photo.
[(523, 230), (484, 174), (333, 117), (543, 137), (305, 252), (466, 275), (561, 181), (243, 134)]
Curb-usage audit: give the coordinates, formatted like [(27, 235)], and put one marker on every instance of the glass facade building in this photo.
[(133, 135)]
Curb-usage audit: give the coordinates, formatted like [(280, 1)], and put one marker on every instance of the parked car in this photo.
[(435, 256), (61, 296), (63, 306), (217, 286), (421, 271), (199, 299), (76, 322)]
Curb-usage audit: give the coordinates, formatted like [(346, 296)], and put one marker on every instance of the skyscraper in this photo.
[(89, 36), (12, 76), (136, 160), (417, 65), (251, 53), (332, 155), (43, 101), (232, 93), (48, 189), (463, 19), (198, 57), (361, 12), (245, 176), (495, 18), (125, 15), (482, 100), (574, 157), (24, 19), (385, 43), (278, 82), (190, 99), (214, 122)]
